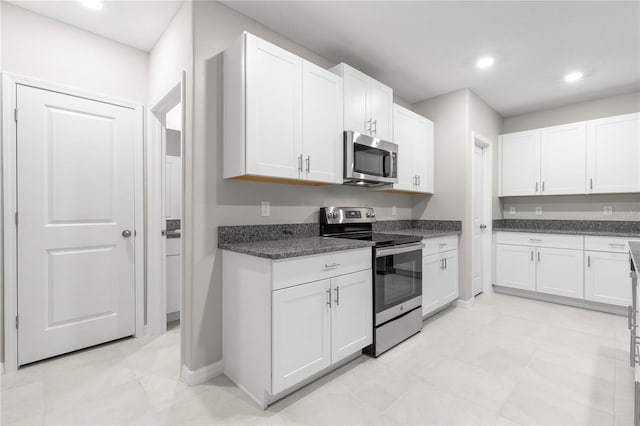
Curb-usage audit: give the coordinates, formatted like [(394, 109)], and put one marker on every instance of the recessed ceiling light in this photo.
[(91, 4), (573, 76), (485, 62)]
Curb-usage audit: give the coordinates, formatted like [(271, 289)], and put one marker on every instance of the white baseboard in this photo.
[(201, 375), (464, 303)]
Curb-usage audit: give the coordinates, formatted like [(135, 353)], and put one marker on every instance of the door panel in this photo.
[(381, 110), (322, 137), (403, 135), (607, 278), (423, 154), (560, 272), (563, 159), (356, 112), (515, 267), (75, 196), (449, 286), (478, 218), (301, 333), (274, 110), (432, 266), (352, 319), (613, 154)]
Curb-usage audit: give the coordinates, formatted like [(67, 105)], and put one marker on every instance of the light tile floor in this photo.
[(505, 361)]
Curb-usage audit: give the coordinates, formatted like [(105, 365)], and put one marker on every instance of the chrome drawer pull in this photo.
[(333, 265)]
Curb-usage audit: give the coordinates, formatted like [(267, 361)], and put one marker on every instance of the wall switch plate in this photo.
[(266, 208), (538, 211), (607, 210), (394, 212), (512, 210)]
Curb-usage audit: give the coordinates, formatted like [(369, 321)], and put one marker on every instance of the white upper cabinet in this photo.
[(414, 136), (368, 104), (596, 156), (562, 159), (520, 163), (613, 154), (321, 149), (282, 115), (273, 108)]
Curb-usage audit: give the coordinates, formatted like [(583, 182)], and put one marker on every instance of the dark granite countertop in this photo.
[(293, 247), (635, 253), (424, 233), (605, 228)]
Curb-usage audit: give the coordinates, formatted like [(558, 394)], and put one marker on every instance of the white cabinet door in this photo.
[(301, 331), (423, 154), (351, 320), (613, 154), (449, 280), (560, 272), (520, 165), (356, 110), (432, 266), (381, 110), (321, 125), (403, 135), (607, 278), (515, 267), (273, 109), (563, 159)]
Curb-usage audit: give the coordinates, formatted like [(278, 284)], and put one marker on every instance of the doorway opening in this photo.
[(481, 214)]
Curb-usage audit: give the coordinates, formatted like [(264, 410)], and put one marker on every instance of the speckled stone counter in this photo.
[(293, 247), (392, 226), (424, 233), (608, 228), (635, 253)]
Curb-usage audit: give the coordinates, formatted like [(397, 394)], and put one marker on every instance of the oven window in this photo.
[(372, 161), (398, 278)]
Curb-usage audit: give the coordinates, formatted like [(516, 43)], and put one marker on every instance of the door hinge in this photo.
[(17, 321), (15, 114), (17, 219)]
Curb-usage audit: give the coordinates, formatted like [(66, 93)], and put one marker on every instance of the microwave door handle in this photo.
[(391, 166)]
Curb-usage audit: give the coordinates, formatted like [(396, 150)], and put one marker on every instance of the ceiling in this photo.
[(427, 48), (135, 23)]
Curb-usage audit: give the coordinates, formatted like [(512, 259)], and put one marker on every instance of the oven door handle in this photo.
[(404, 248)]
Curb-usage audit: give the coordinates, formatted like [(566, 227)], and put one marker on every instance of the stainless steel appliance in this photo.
[(369, 161), (397, 274)]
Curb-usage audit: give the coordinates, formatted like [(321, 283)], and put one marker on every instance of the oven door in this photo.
[(370, 159), (397, 281)]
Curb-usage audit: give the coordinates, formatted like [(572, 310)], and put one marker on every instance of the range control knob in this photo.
[(368, 214)]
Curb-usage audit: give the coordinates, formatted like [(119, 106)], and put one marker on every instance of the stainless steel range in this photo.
[(397, 273)]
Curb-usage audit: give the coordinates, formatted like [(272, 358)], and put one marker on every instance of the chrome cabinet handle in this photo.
[(535, 240), (375, 123), (442, 264), (333, 265), (538, 257), (532, 255), (126, 233), (418, 180), (588, 261), (542, 186), (445, 263), (337, 295), (536, 186), (308, 163), (300, 163), (590, 183), (483, 226), (368, 128), (329, 297), (617, 245)]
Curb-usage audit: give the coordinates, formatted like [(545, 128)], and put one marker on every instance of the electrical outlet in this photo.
[(266, 208), (538, 211), (394, 212), (607, 210), (512, 210)]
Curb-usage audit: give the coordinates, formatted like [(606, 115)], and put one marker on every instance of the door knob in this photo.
[(483, 226), (126, 233)]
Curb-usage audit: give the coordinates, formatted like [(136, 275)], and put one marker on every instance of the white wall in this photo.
[(216, 201), (36, 46), (578, 207)]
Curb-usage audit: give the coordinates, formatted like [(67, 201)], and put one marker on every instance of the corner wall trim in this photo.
[(201, 375), (1, 367), (466, 304)]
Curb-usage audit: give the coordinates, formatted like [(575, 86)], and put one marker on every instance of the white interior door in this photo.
[(75, 173), (479, 222)]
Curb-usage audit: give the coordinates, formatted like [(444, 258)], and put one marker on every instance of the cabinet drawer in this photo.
[(304, 269), (439, 244), (609, 244), (575, 242)]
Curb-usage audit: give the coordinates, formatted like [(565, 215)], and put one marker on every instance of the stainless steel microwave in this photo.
[(369, 161)]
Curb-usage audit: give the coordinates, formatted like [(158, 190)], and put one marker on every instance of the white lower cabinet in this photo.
[(278, 332), (439, 274), (560, 272), (590, 268)]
